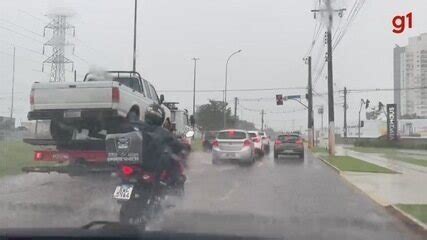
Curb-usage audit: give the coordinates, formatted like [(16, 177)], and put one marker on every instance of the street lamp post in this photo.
[(225, 85), (194, 86)]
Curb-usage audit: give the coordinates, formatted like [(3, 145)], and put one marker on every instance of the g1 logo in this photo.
[(399, 23)]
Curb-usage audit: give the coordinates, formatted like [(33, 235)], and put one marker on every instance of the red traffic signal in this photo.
[(279, 99)]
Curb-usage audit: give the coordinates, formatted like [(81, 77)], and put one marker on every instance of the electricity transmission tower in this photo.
[(59, 27)]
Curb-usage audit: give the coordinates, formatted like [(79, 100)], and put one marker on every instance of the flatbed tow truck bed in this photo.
[(76, 157)]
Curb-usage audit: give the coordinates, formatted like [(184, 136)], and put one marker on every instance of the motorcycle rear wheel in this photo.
[(132, 213)]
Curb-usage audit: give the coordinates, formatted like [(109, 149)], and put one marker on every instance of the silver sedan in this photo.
[(233, 144)]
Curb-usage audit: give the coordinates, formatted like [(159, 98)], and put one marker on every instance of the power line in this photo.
[(26, 29), (22, 47), (234, 90), (21, 34), (384, 89)]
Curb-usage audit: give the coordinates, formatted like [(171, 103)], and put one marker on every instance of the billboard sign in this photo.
[(392, 121)]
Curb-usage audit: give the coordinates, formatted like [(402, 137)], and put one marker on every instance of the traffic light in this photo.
[(279, 99), (362, 124)]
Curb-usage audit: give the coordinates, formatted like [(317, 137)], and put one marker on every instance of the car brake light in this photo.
[(246, 143), (115, 95), (38, 156), (215, 144), (126, 170), (255, 139), (32, 97), (299, 141), (277, 142)]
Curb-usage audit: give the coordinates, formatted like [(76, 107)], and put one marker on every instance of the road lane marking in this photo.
[(231, 191)]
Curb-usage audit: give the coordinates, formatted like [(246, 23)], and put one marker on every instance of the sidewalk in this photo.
[(407, 187)]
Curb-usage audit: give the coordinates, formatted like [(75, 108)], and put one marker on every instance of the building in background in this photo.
[(410, 77)]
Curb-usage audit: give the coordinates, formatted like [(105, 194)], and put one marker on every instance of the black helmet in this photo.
[(155, 115)]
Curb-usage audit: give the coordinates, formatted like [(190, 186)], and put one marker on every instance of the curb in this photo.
[(327, 163), (405, 217)]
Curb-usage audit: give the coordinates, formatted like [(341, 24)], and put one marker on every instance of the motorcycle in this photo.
[(141, 191), (141, 194)]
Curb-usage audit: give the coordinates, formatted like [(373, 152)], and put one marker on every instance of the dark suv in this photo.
[(289, 144)]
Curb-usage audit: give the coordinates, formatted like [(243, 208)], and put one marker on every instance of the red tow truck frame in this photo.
[(81, 157)]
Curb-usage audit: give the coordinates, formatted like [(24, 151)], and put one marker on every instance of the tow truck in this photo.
[(75, 157)]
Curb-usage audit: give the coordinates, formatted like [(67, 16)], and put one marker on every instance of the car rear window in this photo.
[(231, 135), (252, 135), (262, 134), (288, 138)]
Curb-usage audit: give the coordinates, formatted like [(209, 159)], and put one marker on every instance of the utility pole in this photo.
[(235, 109), (134, 36), (262, 120), (345, 112), (194, 86), (13, 82), (331, 117), (310, 107)]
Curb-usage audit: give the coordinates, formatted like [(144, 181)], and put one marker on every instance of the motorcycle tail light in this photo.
[(126, 170)]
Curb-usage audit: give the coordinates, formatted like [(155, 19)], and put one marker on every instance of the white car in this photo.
[(233, 144), (256, 138), (97, 103), (265, 142)]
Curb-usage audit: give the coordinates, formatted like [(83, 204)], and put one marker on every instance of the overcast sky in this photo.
[(274, 36)]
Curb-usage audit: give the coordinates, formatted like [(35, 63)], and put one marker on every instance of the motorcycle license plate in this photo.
[(123, 192)]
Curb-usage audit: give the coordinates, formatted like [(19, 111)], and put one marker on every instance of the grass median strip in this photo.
[(351, 164), (395, 155), (418, 211), (197, 145), (14, 155)]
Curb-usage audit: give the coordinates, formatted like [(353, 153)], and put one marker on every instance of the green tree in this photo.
[(211, 116)]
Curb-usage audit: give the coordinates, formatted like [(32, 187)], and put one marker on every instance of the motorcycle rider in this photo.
[(161, 151)]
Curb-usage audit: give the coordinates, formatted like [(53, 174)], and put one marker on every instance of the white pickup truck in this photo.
[(98, 103)]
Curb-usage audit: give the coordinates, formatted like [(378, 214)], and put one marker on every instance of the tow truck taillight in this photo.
[(126, 170), (32, 97), (38, 156), (215, 144), (115, 95), (247, 143)]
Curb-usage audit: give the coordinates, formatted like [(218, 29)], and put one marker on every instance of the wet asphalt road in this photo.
[(290, 198)]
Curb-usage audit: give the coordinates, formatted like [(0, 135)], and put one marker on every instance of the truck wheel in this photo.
[(58, 133), (132, 116)]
